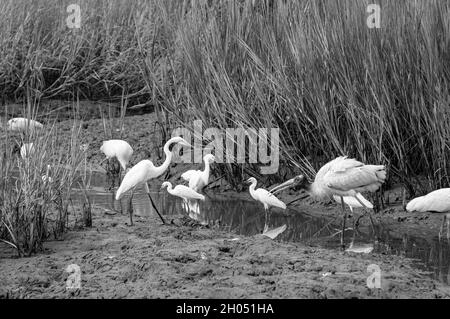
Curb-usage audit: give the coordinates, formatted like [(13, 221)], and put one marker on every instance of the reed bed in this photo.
[(36, 185), (312, 68)]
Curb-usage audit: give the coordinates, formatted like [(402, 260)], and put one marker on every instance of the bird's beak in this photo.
[(288, 184), (184, 143), (248, 181)]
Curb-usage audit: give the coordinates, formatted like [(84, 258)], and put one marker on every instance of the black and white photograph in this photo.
[(236, 151)]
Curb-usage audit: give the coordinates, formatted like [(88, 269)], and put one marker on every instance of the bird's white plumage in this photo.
[(265, 197), (138, 174), (346, 177), (199, 179), (352, 202), (119, 149), (21, 124), (27, 150), (437, 201), (145, 170), (182, 191)]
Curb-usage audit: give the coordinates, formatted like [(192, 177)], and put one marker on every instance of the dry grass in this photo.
[(311, 68)]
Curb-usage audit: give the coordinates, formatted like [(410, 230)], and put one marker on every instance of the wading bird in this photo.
[(264, 197), (437, 201), (118, 149), (341, 177), (182, 191), (27, 150), (144, 171), (197, 181), (21, 124)]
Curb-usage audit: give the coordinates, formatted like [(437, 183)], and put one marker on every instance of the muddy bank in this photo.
[(150, 260), (190, 261)]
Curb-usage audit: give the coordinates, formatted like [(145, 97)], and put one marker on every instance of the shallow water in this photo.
[(247, 218)]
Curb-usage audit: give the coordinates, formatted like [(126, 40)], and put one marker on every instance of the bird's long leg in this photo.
[(130, 207), (441, 230), (448, 227), (343, 223), (367, 212), (266, 227), (153, 204)]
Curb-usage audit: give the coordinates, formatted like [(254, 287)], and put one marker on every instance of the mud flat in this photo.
[(185, 260)]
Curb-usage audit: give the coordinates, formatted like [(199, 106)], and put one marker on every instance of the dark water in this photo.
[(244, 217)]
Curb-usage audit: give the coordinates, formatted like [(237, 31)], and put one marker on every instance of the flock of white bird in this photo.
[(343, 179)]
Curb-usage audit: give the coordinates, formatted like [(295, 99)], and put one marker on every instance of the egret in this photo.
[(21, 124), (26, 150), (144, 171), (119, 149), (182, 191), (264, 197), (198, 180), (437, 201), (341, 177)]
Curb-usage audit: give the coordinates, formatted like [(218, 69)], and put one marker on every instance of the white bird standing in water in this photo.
[(119, 149), (437, 201), (144, 171), (21, 124), (182, 191), (26, 150), (264, 197), (197, 181), (341, 177)]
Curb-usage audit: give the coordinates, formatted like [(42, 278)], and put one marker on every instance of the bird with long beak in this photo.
[(340, 177), (264, 197), (144, 171)]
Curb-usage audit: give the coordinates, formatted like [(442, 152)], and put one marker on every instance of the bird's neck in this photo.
[(207, 169), (252, 189), (159, 170)]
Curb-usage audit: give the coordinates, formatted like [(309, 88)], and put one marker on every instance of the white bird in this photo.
[(21, 124), (144, 171), (342, 177), (27, 150), (264, 197), (199, 179), (119, 149), (182, 191), (437, 201)]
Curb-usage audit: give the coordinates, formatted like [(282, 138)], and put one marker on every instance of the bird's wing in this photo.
[(186, 192), (437, 201), (348, 174), (188, 175), (136, 175), (268, 198)]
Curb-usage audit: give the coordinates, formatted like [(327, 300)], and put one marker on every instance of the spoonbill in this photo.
[(144, 171), (437, 201), (21, 124), (264, 197), (119, 149), (26, 150), (341, 177)]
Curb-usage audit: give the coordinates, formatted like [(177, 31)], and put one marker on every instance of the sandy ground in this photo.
[(185, 260)]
